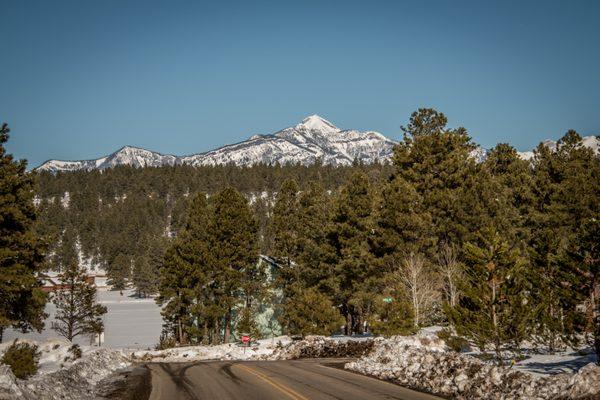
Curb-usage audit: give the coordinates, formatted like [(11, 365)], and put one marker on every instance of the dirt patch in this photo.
[(132, 384), (322, 347)]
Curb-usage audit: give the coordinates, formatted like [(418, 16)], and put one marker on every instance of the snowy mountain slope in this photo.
[(304, 143), (313, 138), (127, 155)]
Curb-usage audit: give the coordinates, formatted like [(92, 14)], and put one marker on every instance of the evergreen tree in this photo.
[(316, 258), (77, 312), (285, 232), (21, 252), (146, 266), (119, 272), (492, 307), (566, 200), (393, 313), (185, 288), (403, 225), (309, 312), (143, 276), (66, 253), (234, 250), (247, 324), (350, 236), (436, 162)]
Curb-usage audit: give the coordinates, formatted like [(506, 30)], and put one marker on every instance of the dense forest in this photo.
[(503, 251)]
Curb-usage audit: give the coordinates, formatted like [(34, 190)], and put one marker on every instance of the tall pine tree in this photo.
[(186, 287), (350, 235), (234, 250), (21, 251)]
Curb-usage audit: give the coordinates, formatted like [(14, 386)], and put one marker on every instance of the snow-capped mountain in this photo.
[(313, 138), (304, 143), (127, 155)]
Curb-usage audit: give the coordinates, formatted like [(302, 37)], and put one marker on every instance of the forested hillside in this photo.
[(126, 213)]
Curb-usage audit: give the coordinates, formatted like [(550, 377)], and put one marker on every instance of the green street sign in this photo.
[(388, 299)]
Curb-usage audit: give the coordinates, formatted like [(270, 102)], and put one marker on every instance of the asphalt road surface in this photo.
[(269, 380)]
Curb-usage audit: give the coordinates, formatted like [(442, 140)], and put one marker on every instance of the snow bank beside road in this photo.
[(432, 369), (262, 349), (75, 382)]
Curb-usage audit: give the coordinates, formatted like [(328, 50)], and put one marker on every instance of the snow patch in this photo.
[(59, 378), (435, 370)]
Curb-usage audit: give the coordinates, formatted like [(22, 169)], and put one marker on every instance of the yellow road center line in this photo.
[(285, 389)]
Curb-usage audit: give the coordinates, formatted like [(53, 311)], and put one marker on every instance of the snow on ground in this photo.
[(568, 361), (130, 322), (60, 377), (423, 363), (260, 349)]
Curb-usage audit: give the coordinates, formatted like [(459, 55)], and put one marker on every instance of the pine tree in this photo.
[(316, 258), (284, 230), (119, 272), (185, 289), (247, 324), (77, 312), (66, 253), (566, 201), (436, 162), (350, 236), (21, 251), (393, 313), (143, 276), (309, 312), (492, 307), (146, 266), (234, 249), (403, 225)]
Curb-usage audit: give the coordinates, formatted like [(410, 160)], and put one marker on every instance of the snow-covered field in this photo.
[(129, 323)]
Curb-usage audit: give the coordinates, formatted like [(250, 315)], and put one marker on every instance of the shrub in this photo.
[(456, 343), (22, 358), (166, 342), (75, 350)]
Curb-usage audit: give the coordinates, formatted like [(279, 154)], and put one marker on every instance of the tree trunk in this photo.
[(217, 336), (348, 323), (179, 330), (415, 307), (205, 333), (595, 316), (227, 327), (1, 333), (495, 323)]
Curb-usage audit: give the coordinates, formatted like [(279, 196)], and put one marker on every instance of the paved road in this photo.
[(269, 380)]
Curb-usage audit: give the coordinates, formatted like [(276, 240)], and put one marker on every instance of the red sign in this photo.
[(245, 339)]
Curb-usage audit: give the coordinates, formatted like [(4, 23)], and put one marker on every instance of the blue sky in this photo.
[(80, 79)]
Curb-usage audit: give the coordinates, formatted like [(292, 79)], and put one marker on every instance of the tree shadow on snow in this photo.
[(560, 366)]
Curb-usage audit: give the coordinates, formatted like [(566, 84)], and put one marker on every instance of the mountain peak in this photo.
[(316, 123)]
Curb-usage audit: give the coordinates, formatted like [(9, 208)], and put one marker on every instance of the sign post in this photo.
[(245, 341)]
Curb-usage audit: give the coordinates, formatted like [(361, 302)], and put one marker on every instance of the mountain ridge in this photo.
[(312, 139)]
